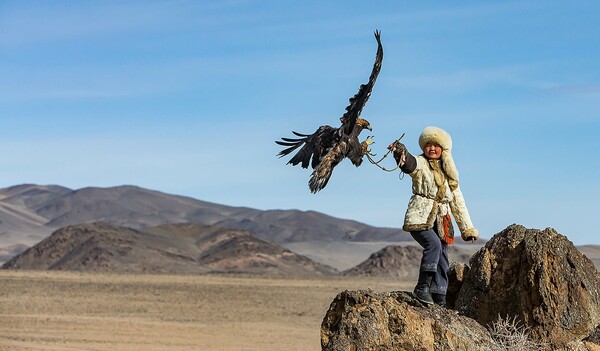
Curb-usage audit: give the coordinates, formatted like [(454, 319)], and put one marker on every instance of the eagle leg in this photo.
[(364, 146)]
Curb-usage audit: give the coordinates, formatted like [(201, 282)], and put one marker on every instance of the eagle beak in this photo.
[(369, 128)]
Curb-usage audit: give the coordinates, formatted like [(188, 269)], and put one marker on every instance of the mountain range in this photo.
[(29, 213), (88, 226)]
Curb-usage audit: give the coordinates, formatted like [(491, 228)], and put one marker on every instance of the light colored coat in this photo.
[(433, 198)]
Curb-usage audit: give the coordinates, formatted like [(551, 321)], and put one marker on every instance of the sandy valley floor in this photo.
[(92, 311)]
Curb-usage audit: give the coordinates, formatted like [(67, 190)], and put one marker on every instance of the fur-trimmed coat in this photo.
[(433, 198)]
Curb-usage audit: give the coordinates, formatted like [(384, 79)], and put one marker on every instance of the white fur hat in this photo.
[(442, 138), (435, 135)]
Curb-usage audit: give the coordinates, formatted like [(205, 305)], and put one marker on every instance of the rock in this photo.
[(594, 337), (591, 346), (456, 275), (539, 277), (365, 321)]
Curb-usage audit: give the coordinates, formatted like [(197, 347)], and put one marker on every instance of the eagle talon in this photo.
[(365, 145)]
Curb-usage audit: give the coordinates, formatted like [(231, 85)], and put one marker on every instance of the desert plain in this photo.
[(58, 310)]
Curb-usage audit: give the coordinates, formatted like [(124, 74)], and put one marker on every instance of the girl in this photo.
[(435, 194)]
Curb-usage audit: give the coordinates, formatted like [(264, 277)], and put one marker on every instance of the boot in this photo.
[(421, 291), (439, 299)]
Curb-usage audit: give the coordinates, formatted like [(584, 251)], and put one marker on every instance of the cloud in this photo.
[(591, 90), (52, 21), (465, 79)]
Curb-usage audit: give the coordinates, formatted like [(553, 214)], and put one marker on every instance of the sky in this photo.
[(188, 97)]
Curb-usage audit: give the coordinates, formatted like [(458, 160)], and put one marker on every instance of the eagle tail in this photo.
[(320, 176), (319, 179)]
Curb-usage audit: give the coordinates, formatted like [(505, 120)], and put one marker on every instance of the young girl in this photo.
[(435, 194)]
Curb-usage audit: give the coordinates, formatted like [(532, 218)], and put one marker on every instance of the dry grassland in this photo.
[(92, 311)]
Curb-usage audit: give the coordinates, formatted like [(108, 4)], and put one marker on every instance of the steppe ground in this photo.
[(49, 310)]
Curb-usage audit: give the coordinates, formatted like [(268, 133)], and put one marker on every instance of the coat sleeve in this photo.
[(461, 214), (410, 165)]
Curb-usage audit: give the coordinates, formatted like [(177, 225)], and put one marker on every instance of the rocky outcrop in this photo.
[(538, 277), (369, 321), (456, 276), (534, 280)]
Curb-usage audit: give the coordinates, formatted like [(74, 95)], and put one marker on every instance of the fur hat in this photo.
[(440, 137), (437, 136)]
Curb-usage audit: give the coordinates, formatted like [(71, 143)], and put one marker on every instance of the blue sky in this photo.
[(188, 97)]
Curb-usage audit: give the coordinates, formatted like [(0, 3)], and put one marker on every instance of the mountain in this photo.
[(171, 248), (403, 261), (29, 213), (10, 251), (19, 222), (592, 252), (391, 261)]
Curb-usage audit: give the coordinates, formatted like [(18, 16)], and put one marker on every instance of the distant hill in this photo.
[(391, 261), (10, 251), (403, 261), (29, 213), (172, 248)]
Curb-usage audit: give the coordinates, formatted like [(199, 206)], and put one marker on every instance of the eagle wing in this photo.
[(358, 101), (328, 146), (314, 146)]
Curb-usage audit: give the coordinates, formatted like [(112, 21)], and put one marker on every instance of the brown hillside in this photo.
[(391, 261), (176, 248), (403, 261)]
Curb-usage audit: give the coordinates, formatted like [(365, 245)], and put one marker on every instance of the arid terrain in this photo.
[(127, 268), (54, 310)]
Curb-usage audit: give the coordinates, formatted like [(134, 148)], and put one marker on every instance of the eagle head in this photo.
[(363, 124)]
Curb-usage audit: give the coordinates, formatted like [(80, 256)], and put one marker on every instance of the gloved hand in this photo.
[(399, 152)]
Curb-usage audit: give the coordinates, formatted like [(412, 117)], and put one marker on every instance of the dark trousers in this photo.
[(435, 259)]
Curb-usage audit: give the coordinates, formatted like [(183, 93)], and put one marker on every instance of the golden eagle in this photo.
[(328, 145)]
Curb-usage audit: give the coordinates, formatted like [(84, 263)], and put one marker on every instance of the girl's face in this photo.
[(433, 151)]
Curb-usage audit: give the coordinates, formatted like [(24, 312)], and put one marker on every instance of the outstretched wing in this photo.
[(314, 146), (358, 101)]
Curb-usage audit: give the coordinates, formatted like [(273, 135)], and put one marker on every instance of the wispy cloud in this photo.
[(464, 79), (49, 22), (591, 90)]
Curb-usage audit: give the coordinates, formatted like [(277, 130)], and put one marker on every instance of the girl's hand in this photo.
[(399, 152)]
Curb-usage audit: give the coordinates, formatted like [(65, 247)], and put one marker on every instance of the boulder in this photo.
[(538, 277), (369, 321), (456, 275)]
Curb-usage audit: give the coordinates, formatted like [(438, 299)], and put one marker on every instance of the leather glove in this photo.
[(399, 152)]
